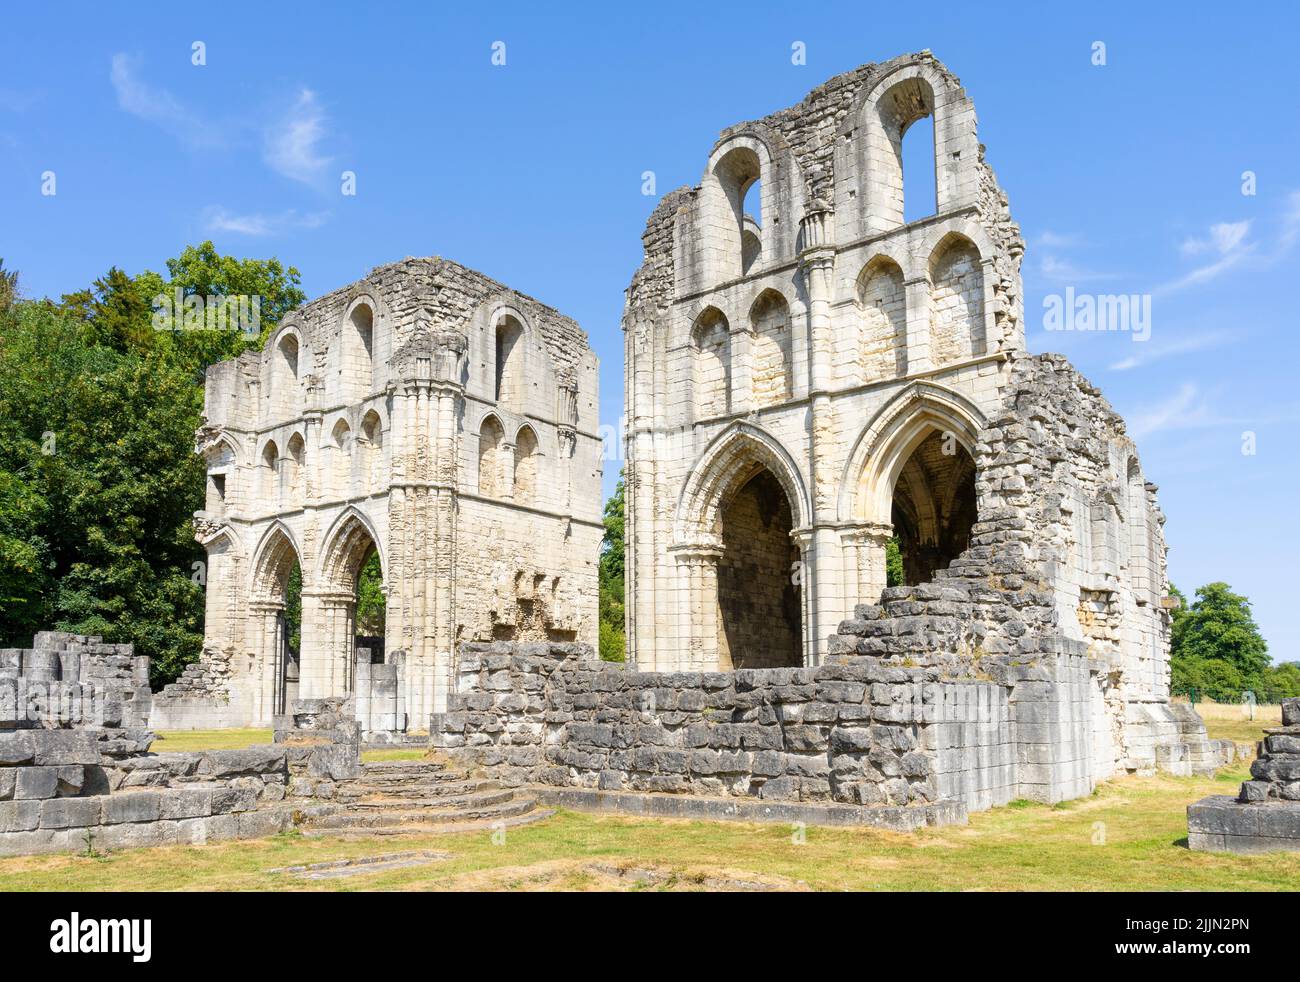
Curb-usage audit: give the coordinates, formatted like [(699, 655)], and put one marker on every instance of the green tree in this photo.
[(1216, 645), (371, 603), (98, 478), (115, 312), (893, 563), (613, 640)]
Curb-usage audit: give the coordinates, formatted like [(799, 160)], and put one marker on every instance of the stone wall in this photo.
[(861, 731), (863, 734), (73, 790), (73, 680), (426, 413)]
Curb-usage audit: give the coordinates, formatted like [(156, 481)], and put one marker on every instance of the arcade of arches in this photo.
[(310, 635), (759, 602)]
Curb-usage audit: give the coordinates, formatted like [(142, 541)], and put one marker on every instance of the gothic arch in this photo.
[(348, 541), (886, 443), (273, 559), (731, 459)]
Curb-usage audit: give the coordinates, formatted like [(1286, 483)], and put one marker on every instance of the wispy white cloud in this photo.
[(1057, 240), (292, 144), (1190, 408), (218, 219), (1186, 407), (1061, 270), (160, 107), (1146, 354)]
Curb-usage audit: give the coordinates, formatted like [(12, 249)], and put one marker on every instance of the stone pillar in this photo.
[(819, 545), (268, 656), (742, 369), (326, 659), (992, 330), (697, 608), (918, 325), (864, 563)]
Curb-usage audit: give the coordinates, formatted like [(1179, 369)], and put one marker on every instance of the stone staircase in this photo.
[(419, 797)]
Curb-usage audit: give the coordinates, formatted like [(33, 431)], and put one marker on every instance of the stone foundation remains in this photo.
[(1265, 815)]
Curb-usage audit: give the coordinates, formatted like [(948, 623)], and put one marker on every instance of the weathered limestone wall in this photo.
[(1265, 815), (69, 790), (861, 734), (426, 413), (72, 680), (817, 338)]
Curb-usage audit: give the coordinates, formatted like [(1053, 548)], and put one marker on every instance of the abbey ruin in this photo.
[(810, 377), (430, 416)]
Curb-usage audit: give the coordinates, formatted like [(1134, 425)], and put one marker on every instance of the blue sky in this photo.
[(1126, 178)]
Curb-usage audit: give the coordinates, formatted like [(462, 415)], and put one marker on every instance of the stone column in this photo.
[(742, 369), (992, 332), (918, 325), (268, 656), (697, 606), (864, 555), (326, 662), (821, 588)]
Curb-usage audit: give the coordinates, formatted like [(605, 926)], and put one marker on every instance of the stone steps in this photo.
[(361, 790), (482, 814), (415, 828), (412, 797), (473, 799)]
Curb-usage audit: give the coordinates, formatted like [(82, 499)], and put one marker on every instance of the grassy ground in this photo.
[(175, 741), (185, 741), (1233, 722), (1130, 835)]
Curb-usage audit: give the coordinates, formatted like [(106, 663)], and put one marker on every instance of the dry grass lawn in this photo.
[(1130, 835)]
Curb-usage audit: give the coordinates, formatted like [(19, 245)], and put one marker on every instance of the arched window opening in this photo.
[(292, 469), (491, 440), (934, 506), (773, 361), (509, 387), (341, 451), (271, 474), (358, 352), (284, 376), (905, 166), (739, 172), (711, 339), (956, 301), (882, 298), (372, 444), (920, 194), (526, 457), (759, 604)]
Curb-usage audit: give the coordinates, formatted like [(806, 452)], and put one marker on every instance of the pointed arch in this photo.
[(491, 444), (711, 363), (886, 443), (527, 456), (957, 325), (882, 302), (772, 362), (274, 558), (735, 456), (348, 541)]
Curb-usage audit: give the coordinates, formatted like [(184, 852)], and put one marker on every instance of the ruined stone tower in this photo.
[(809, 375), (426, 414)]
